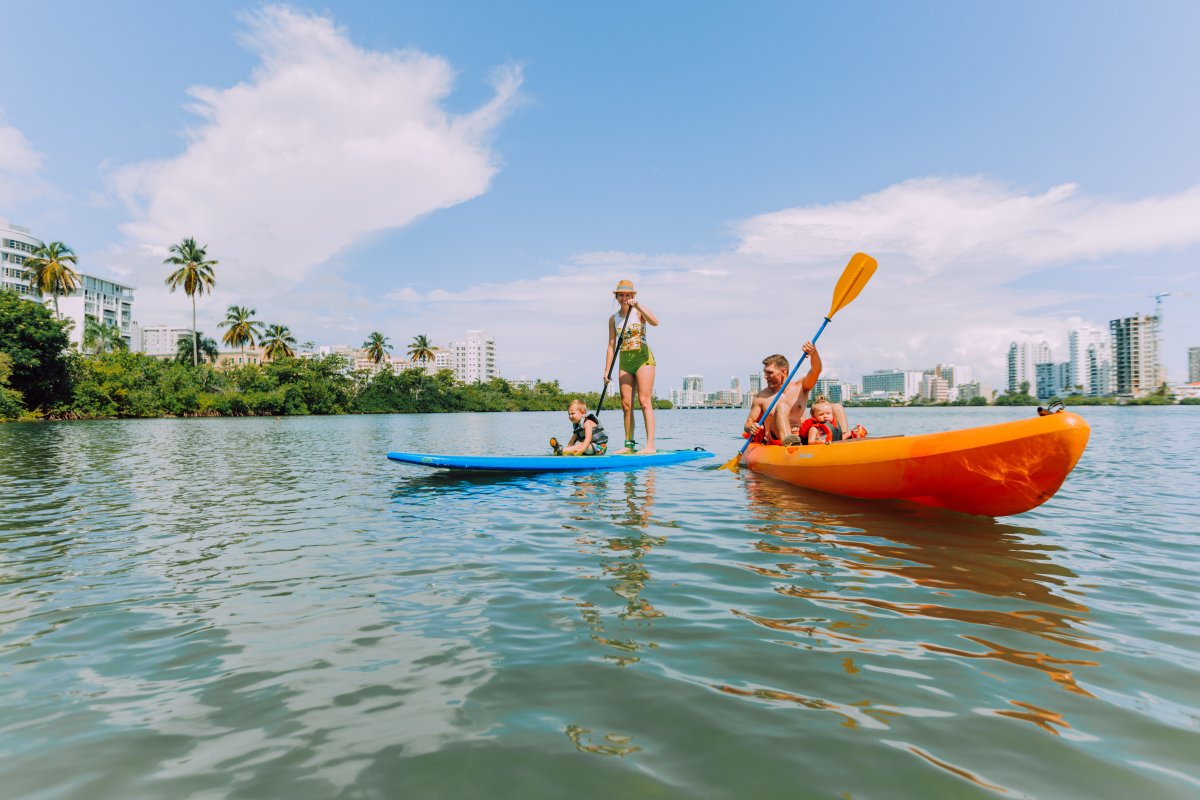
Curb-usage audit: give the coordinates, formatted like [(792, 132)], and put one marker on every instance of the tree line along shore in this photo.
[(41, 377)]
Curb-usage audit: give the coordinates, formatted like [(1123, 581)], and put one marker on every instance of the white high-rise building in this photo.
[(16, 243), (106, 301), (969, 391), (934, 387), (163, 340), (1079, 342), (1102, 379), (835, 390), (1135, 355), (1023, 358), (692, 393), (474, 358), (953, 375)]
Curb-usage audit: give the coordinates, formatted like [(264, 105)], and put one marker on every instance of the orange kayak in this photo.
[(994, 470)]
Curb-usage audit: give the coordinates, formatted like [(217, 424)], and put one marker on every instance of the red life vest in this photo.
[(811, 423)]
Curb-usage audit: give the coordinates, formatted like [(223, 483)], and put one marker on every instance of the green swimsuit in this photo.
[(635, 352)]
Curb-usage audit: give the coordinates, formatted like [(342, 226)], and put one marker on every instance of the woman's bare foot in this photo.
[(647, 450)]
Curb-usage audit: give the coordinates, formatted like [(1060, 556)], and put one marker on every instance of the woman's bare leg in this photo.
[(645, 388), (627, 381)]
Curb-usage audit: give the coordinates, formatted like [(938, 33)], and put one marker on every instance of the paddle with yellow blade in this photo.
[(854, 278)]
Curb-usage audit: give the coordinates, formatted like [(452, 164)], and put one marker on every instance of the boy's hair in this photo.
[(776, 361), (576, 402), (822, 399)]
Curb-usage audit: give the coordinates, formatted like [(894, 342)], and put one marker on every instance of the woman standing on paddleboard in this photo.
[(636, 361)]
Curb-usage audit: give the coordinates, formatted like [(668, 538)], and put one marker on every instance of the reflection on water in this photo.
[(851, 563), (622, 558), (261, 608)]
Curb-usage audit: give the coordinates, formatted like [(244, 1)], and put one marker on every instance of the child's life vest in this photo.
[(598, 434), (832, 432)]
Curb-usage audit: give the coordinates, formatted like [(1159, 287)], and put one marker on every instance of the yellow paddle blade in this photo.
[(854, 278)]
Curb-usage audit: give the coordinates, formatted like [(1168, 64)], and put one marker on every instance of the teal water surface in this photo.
[(269, 608)]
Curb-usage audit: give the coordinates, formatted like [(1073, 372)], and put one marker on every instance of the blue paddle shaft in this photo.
[(767, 414)]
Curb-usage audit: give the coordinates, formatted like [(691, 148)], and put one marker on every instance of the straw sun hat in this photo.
[(624, 286)]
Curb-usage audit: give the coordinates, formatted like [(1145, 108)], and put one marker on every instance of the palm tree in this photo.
[(100, 338), (195, 275), (420, 349), (189, 346), (277, 342), (48, 269), (242, 328), (376, 346)]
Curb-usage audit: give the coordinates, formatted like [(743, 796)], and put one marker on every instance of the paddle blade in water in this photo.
[(733, 463), (854, 278)]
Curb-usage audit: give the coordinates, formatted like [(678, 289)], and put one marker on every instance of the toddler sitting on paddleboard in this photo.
[(588, 437)]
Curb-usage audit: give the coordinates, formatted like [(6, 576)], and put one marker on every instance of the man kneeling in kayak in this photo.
[(588, 437), (795, 397), (788, 414)]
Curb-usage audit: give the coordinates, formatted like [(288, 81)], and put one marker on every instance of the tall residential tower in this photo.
[(1135, 355)]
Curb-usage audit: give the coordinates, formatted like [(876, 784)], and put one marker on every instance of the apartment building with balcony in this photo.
[(1135, 355), (104, 300), (474, 358), (16, 243)]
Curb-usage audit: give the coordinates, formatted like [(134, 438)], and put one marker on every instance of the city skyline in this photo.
[(1018, 172)]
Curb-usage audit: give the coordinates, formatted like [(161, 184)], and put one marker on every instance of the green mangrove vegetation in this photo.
[(40, 377)]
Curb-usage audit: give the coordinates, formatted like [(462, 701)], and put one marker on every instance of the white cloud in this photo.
[(323, 144), (953, 256), (20, 164), (942, 224)]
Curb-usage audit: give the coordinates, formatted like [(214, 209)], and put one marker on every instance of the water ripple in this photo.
[(265, 607)]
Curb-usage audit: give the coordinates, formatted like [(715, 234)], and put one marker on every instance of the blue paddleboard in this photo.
[(549, 463)]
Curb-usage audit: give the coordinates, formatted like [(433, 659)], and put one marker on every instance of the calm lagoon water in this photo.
[(269, 608)]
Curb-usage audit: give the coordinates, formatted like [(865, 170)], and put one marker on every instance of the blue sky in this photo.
[(423, 168)]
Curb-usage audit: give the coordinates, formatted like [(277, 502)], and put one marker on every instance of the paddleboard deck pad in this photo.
[(549, 463)]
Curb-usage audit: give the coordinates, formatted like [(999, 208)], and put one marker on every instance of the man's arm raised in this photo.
[(814, 369)]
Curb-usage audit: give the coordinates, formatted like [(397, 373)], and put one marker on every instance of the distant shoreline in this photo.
[(82, 418)]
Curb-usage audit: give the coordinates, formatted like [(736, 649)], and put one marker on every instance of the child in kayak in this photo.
[(821, 427), (588, 437)]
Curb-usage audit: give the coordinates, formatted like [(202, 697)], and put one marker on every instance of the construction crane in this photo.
[(1158, 298), (1158, 324)]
